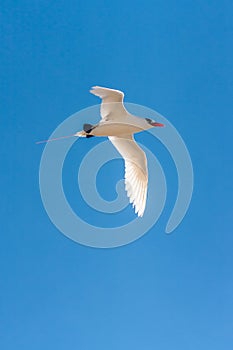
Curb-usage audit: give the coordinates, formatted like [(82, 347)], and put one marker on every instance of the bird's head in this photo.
[(153, 123)]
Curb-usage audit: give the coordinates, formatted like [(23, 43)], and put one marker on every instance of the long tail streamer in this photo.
[(57, 138)]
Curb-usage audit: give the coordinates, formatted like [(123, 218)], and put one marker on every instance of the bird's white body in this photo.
[(119, 126)]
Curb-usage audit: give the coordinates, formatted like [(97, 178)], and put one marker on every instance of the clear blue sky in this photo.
[(163, 291)]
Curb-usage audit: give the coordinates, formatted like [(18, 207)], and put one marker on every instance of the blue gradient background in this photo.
[(162, 291)]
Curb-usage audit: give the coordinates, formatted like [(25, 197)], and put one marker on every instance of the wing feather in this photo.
[(136, 173), (112, 107)]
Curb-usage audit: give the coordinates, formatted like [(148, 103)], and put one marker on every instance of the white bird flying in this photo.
[(119, 126)]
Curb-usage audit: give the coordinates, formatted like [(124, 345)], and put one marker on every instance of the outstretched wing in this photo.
[(136, 173), (112, 107)]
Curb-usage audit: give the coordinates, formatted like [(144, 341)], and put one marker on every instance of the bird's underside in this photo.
[(112, 128)]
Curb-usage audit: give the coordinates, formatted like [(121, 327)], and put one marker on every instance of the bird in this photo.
[(120, 126)]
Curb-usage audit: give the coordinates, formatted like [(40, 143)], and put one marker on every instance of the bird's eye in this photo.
[(148, 120)]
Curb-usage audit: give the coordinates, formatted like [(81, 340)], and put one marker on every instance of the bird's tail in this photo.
[(87, 128), (81, 133)]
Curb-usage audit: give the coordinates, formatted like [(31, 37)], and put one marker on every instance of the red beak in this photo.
[(157, 124)]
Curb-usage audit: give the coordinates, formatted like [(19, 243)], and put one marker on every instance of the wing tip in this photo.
[(94, 90), (138, 199)]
